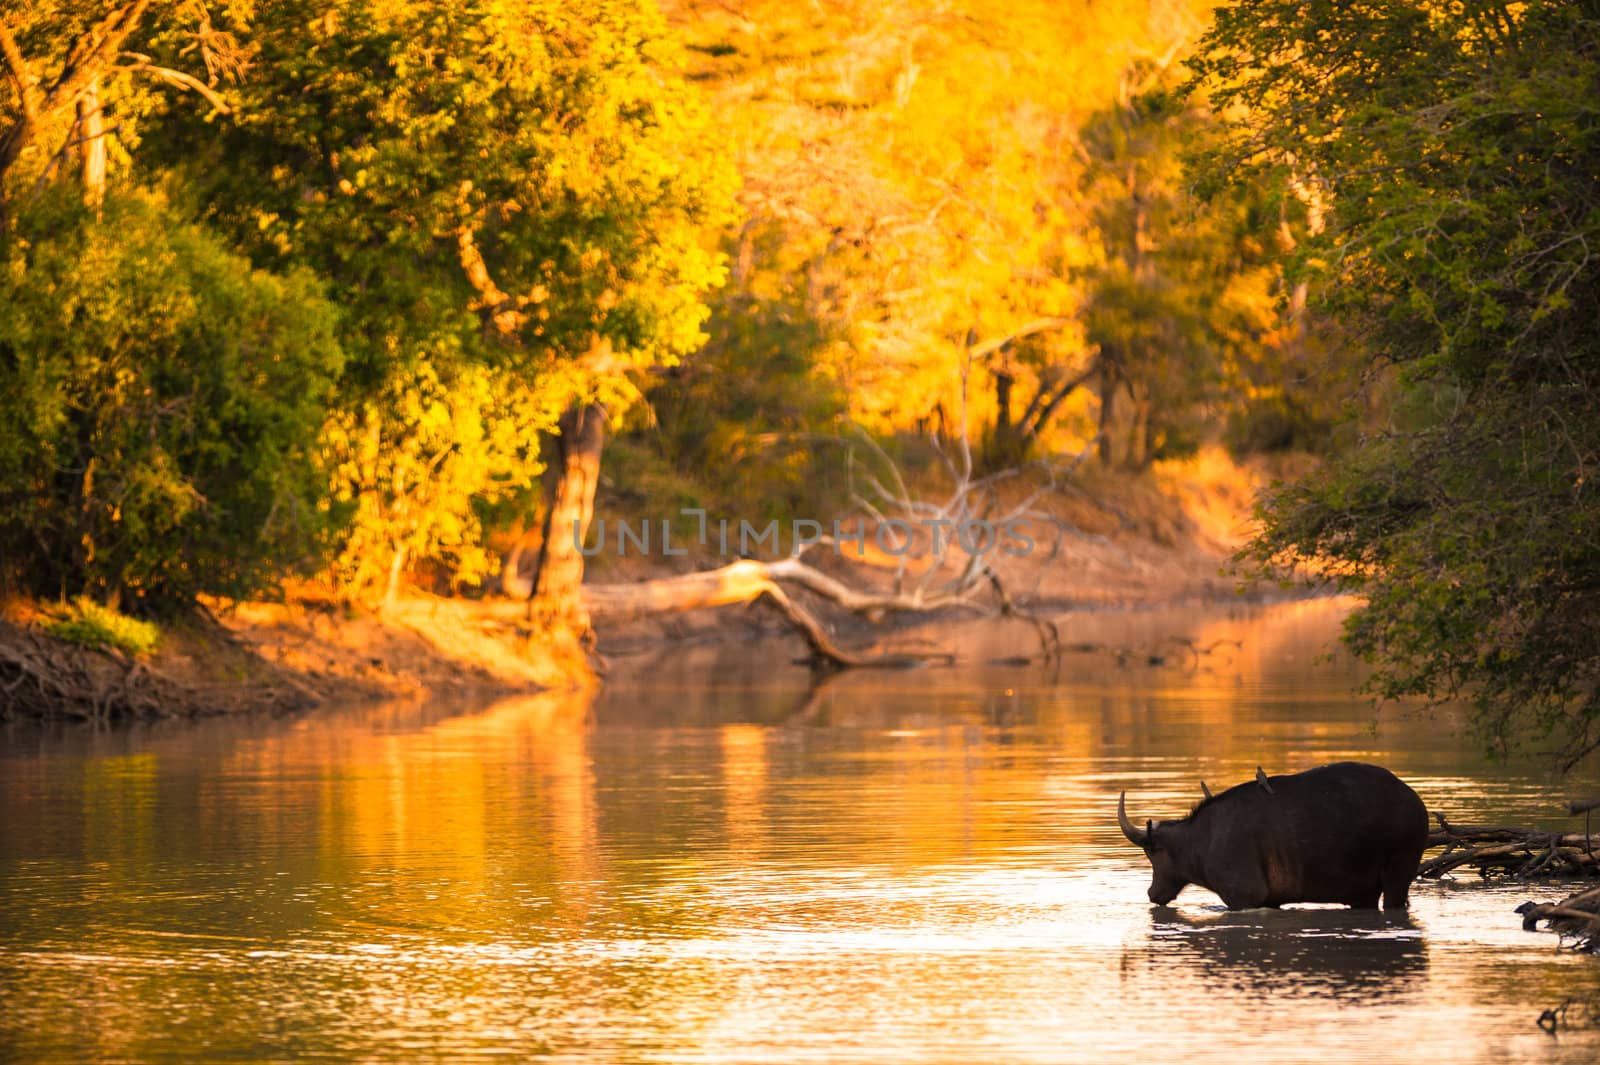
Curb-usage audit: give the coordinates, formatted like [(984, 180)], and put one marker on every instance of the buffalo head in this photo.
[(1164, 844)]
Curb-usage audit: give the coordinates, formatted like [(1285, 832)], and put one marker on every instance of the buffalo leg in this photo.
[(1397, 877)]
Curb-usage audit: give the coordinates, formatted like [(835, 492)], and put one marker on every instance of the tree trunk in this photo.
[(1139, 433), (557, 600), (1002, 443), (91, 132), (1108, 395), (1041, 409)]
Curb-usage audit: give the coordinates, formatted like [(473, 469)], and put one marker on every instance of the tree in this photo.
[(1454, 154), (75, 85), (1183, 300), (910, 190), (510, 200), (162, 404)]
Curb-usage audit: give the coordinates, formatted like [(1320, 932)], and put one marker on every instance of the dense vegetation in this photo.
[(337, 290), (1455, 156), (304, 288), (984, 195)]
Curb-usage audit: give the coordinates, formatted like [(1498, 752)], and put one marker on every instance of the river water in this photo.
[(712, 862)]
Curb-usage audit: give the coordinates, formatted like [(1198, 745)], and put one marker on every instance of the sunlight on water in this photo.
[(717, 863)]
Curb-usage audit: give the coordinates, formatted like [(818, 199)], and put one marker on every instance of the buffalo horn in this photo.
[(1135, 834), (1205, 790)]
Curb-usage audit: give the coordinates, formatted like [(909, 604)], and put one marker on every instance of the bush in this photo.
[(161, 410)]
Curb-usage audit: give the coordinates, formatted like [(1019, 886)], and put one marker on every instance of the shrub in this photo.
[(161, 410)]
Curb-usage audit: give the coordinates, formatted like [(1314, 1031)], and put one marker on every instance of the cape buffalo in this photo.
[(1342, 833)]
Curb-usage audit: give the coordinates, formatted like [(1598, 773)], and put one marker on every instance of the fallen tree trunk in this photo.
[(745, 581), (750, 580)]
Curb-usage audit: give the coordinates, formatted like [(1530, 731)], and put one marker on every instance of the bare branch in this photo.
[(180, 80), (1038, 325), (92, 54), (1036, 417)]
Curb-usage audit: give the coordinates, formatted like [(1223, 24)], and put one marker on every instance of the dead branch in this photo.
[(1575, 918), (1572, 1015), (1506, 850), (177, 79), (826, 651), (751, 580), (1524, 853)]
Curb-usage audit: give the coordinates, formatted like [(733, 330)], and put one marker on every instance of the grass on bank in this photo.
[(88, 624)]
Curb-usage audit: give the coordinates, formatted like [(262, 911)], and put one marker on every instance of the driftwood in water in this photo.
[(1576, 917), (751, 580), (1503, 850), (1189, 656), (1524, 853)]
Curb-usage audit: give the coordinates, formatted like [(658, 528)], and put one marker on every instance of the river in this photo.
[(713, 863)]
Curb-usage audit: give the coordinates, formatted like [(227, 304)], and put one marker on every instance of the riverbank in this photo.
[(1160, 540), (275, 658)]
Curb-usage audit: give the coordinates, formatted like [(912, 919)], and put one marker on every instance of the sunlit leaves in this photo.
[(515, 202), (912, 178)]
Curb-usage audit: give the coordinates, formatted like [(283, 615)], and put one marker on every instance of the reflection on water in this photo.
[(715, 862), (1295, 953)]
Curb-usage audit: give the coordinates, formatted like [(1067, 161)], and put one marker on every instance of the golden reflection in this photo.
[(119, 807), (744, 774), (916, 863)]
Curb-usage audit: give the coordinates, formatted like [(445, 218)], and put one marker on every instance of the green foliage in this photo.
[(87, 623), (516, 206), (514, 202), (742, 425), (1183, 301), (1454, 153), (111, 64), (162, 404)]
